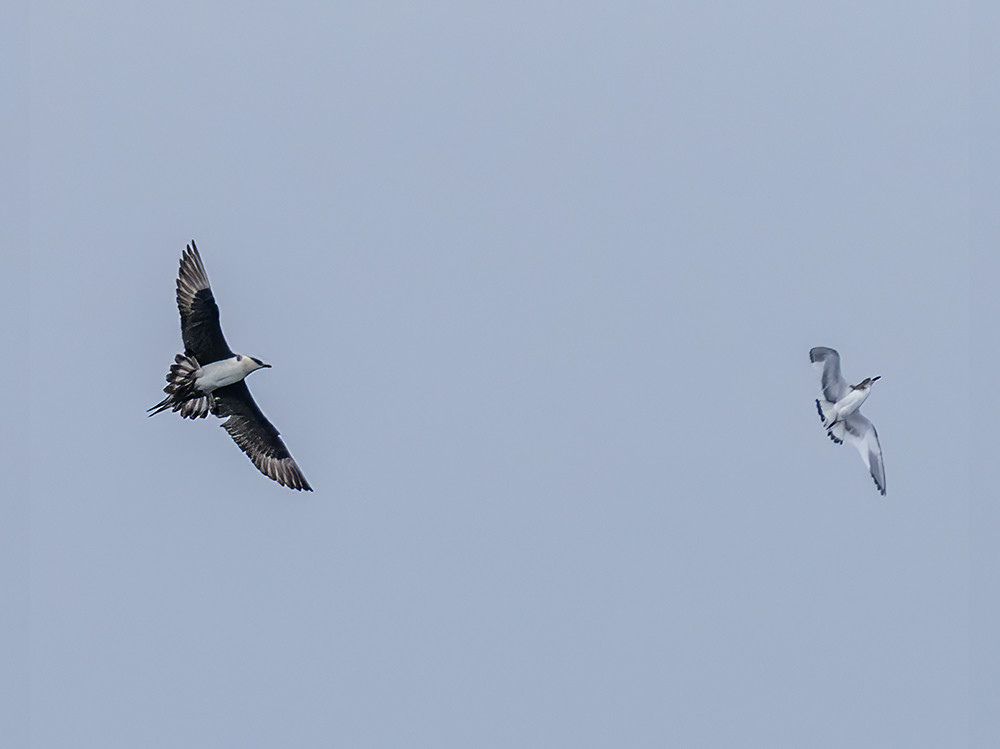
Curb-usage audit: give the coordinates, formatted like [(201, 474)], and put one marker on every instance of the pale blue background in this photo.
[(538, 281)]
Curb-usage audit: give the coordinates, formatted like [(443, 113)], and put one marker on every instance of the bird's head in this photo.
[(866, 383), (251, 363)]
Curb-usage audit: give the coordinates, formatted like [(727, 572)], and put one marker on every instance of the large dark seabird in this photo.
[(838, 405), (208, 378)]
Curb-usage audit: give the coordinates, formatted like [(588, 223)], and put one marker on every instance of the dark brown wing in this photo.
[(200, 327), (257, 436)]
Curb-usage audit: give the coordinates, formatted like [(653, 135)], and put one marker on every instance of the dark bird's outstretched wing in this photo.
[(833, 386), (200, 327), (257, 436)]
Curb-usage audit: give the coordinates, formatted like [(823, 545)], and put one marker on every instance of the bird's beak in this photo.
[(876, 378), (268, 366)]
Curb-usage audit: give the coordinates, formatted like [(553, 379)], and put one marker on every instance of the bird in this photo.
[(838, 405), (209, 378)]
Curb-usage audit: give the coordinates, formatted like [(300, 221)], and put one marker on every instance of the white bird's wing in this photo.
[(833, 386), (861, 433)]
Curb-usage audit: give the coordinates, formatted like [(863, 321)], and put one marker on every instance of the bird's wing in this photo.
[(833, 386), (257, 436), (200, 327), (861, 433)]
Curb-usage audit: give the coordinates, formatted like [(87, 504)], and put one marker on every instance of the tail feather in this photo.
[(181, 374), (163, 405), (836, 431), (195, 408), (181, 393)]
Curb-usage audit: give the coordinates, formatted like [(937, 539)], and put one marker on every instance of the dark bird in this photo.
[(838, 405), (208, 378)]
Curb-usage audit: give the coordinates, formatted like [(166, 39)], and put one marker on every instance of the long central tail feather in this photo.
[(181, 393)]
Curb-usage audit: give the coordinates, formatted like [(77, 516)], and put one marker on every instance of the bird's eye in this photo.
[(239, 357)]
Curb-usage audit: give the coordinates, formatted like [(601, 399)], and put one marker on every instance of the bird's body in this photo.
[(218, 374), (209, 378), (838, 405), (850, 402)]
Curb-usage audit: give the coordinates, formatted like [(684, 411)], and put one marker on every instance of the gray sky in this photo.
[(538, 282), (984, 239)]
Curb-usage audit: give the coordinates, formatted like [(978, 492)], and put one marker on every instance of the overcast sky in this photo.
[(538, 281)]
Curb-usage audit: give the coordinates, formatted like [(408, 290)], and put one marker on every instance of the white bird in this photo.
[(838, 405), (208, 378)]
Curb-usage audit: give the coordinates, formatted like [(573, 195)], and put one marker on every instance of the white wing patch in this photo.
[(861, 433)]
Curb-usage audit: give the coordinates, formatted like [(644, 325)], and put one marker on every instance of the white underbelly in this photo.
[(851, 402), (218, 374)]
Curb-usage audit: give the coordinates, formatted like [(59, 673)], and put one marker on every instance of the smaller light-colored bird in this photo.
[(838, 405)]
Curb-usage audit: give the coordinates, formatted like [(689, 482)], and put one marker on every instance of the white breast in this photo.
[(852, 401), (218, 374)]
